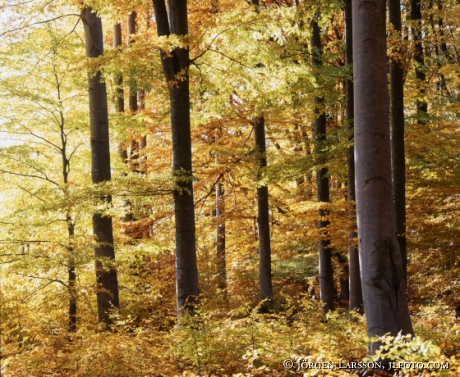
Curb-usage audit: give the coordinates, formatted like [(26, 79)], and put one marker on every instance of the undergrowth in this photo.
[(295, 341)]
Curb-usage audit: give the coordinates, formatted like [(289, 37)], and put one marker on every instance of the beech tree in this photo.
[(419, 58), (263, 220), (106, 273), (326, 277), (397, 132), (356, 294), (243, 65), (383, 283), (176, 70), (263, 214), (220, 227)]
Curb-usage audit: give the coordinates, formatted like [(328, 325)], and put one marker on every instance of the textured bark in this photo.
[(263, 219), (106, 274), (384, 289), (326, 275), (356, 293), (397, 137), (176, 70), (419, 57)]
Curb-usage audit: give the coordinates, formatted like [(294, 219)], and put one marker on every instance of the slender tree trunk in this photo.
[(106, 273), (397, 137), (416, 16), (120, 108), (356, 293), (263, 216), (119, 94), (179, 94), (72, 277), (133, 99), (71, 267), (220, 234), (132, 25), (220, 238), (263, 220), (384, 289), (326, 276)]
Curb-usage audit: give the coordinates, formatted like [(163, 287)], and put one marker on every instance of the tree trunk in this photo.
[(132, 25), (384, 289), (263, 216), (416, 15), (263, 220), (119, 93), (220, 238), (179, 94), (72, 277), (326, 276), (133, 101), (356, 293), (397, 137), (106, 273), (220, 233)]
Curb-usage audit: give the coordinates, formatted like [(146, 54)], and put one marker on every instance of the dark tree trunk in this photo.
[(132, 25), (133, 100), (397, 137), (416, 15), (119, 95), (220, 232), (178, 64), (326, 276), (356, 293), (263, 219), (263, 216), (106, 273), (384, 289), (220, 238)]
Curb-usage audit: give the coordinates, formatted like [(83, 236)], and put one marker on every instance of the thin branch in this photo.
[(45, 178), (37, 23), (211, 190)]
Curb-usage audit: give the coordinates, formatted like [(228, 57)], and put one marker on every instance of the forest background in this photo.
[(250, 64)]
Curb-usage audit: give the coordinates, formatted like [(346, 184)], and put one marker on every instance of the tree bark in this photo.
[(419, 57), (220, 231), (397, 137), (356, 293), (384, 289), (176, 70), (106, 273), (263, 220), (132, 25), (220, 238), (326, 275), (119, 94)]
